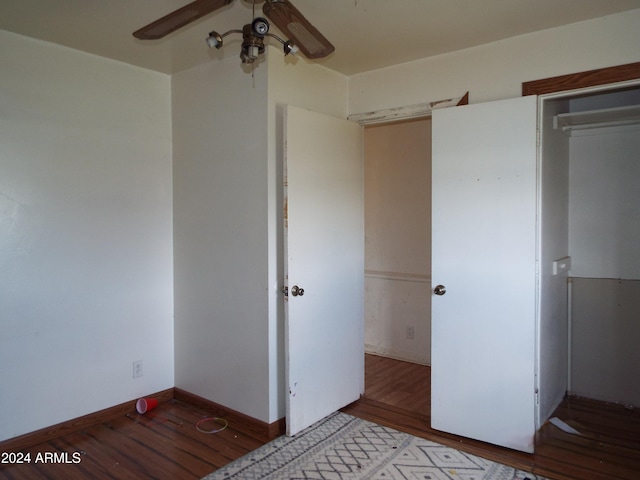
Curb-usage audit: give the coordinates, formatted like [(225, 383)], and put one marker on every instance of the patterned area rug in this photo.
[(342, 447)]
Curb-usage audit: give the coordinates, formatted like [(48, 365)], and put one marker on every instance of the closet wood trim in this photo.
[(590, 78)]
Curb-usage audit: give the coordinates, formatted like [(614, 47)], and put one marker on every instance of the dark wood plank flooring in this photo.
[(164, 444), (607, 449)]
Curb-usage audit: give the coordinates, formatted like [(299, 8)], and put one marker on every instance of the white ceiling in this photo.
[(367, 34)]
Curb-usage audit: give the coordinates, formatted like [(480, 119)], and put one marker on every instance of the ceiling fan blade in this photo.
[(297, 28), (179, 18)]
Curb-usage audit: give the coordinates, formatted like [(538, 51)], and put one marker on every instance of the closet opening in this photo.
[(398, 263), (590, 229)]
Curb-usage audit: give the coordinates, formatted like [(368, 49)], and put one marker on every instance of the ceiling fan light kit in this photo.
[(302, 34), (252, 40)]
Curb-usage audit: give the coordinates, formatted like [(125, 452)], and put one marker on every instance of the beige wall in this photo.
[(398, 239)]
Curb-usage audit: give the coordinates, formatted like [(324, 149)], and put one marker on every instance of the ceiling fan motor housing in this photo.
[(252, 45)]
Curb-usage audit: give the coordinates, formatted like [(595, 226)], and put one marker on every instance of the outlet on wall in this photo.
[(137, 369), (410, 333)]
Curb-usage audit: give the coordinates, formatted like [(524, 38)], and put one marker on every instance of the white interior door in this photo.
[(324, 265), (484, 253)]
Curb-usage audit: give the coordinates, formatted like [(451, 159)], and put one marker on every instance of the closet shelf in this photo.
[(592, 119)]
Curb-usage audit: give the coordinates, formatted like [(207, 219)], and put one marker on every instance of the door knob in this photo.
[(296, 291), (440, 290)]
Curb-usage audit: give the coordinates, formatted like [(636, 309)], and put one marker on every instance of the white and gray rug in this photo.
[(342, 447)]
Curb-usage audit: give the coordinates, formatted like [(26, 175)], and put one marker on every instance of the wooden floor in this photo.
[(607, 449), (162, 444), (165, 444), (399, 384)]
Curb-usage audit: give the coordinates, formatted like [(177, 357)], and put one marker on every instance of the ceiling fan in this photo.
[(301, 33)]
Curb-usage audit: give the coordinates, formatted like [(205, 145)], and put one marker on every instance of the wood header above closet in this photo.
[(590, 78)]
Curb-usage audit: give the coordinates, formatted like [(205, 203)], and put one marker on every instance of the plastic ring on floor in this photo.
[(221, 421)]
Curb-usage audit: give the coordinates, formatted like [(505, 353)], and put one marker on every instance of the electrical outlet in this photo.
[(137, 369), (410, 333)]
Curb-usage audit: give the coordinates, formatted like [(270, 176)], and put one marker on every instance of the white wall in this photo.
[(497, 70), (604, 214), (221, 212), (85, 234)]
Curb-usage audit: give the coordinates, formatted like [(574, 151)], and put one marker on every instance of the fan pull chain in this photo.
[(253, 68)]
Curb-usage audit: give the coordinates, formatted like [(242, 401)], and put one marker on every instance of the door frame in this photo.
[(561, 87), (416, 112), (564, 86)]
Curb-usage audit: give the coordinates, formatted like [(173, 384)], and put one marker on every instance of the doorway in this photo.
[(558, 343), (590, 230), (397, 159)]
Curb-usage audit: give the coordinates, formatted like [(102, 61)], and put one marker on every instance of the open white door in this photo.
[(484, 254), (324, 265)]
